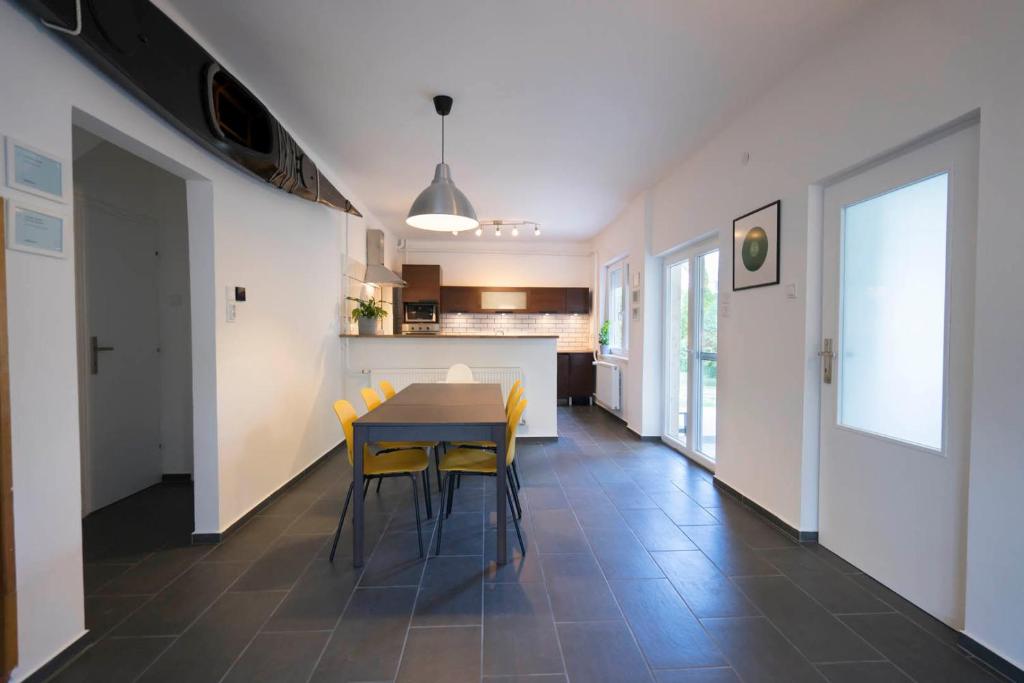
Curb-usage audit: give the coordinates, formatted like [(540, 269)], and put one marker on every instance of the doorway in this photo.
[(135, 367), (897, 321), (691, 351)]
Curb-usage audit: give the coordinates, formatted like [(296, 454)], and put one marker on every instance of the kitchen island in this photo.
[(407, 359)]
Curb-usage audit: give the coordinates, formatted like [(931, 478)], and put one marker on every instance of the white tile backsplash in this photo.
[(573, 331)]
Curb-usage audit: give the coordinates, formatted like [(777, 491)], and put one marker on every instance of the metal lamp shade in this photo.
[(442, 206)]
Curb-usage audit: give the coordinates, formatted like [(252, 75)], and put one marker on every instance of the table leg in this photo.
[(358, 439), (501, 489)]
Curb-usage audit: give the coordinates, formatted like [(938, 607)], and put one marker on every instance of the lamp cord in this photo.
[(442, 139)]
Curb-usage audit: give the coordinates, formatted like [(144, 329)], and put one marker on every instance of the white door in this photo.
[(122, 398), (897, 307), (691, 351)]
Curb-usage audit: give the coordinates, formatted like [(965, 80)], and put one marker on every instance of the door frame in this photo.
[(8, 578), (691, 251)]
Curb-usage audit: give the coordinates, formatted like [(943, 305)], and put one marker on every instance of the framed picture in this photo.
[(35, 171), (755, 248), (35, 231)]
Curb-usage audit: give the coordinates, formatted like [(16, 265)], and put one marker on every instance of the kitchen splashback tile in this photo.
[(573, 331)]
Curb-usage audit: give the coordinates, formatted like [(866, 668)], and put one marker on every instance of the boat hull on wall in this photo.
[(138, 46)]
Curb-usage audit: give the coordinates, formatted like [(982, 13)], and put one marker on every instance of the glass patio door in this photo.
[(691, 343)]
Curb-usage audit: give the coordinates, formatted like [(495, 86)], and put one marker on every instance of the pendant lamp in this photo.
[(442, 206)]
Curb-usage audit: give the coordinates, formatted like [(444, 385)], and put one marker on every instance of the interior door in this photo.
[(897, 316), (122, 402), (691, 344)]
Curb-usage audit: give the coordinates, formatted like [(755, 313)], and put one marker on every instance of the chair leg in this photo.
[(458, 481), (453, 483), (426, 493), (416, 507), (515, 474), (341, 521), (515, 521), (515, 498), (437, 468), (379, 482), (366, 485), (440, 517)]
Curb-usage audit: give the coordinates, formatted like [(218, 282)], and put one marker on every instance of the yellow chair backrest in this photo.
[(370, 397), (387, 388), (346, 416), (514, 394), (513, 423)]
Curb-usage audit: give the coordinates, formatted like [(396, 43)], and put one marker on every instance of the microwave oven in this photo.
[(420, 313)]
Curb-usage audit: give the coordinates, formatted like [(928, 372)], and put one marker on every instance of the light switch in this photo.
[(791, 290), (232, 311)]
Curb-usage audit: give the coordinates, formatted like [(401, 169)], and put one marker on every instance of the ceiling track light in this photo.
[(498, 225)]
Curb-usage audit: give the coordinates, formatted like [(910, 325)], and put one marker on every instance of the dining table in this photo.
[(435, 412)]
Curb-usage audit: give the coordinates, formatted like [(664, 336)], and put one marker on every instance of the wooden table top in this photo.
[(440, 403)]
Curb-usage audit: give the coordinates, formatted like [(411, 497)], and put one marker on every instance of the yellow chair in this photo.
[(409, 462), (475, 461), (514, 394), (372, 400), (387, 388)]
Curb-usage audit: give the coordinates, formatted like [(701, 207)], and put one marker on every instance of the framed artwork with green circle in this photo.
[(755, 248)]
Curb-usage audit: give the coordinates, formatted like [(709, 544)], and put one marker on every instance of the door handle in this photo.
[(95, 348), (826, 356)]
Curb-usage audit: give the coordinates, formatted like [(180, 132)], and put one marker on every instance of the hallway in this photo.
[(637, 569)]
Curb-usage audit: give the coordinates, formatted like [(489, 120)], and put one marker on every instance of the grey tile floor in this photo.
[(637, 569)]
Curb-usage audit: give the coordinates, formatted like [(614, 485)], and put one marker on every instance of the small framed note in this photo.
[(34, 171), (35, 231)]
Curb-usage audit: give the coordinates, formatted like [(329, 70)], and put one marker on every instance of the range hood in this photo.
[(376, 273)]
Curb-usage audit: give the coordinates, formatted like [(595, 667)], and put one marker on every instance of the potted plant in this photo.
[(602, 337), (367, 313)]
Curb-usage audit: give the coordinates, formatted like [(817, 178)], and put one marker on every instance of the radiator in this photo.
[(609, 386), (403, 377)]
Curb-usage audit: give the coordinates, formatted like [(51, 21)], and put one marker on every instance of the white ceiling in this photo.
[(564, 110)]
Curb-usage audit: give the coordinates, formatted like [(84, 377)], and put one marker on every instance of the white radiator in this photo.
[(609, 386), (403, 377)]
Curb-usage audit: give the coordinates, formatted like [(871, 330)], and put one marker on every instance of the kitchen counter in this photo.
[(404, 359)]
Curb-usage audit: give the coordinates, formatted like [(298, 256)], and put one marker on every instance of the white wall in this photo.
[(114, 177), (512, 264), (902, 70), (263, 384)]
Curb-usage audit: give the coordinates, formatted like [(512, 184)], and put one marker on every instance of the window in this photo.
[(617, 287)]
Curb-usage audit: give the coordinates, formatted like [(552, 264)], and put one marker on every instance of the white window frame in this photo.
[(622, 266)]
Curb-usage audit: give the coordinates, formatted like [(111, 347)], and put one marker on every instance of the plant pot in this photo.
[(604, 349), (367, 327)]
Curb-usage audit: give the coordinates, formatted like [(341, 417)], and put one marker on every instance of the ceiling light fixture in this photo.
[(515, 231), (479, 231), (536, 231), (497, 228), (442, 206)]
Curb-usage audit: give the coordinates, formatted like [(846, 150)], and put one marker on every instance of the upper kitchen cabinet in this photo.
[(460, 300), (577, 300), (423, 283), (546, 300)]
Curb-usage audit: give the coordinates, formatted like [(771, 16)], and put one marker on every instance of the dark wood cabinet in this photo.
[(562, 385), (577, 300), (575, 375), (460, 300), (469, 299), (423, 283), (545, 300)]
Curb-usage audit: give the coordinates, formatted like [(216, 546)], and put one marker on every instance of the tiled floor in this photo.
[(637, 569)]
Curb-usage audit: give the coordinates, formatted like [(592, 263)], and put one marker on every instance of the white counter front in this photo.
[(403, 360)]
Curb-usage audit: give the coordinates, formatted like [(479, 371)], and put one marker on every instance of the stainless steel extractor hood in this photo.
[(376, 273)]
